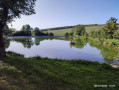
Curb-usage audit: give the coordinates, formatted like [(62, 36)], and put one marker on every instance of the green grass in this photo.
[(19, 73), (96, 28), (62, 32)]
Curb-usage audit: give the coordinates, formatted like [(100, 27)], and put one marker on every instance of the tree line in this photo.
[(26, 30), (110, 31)]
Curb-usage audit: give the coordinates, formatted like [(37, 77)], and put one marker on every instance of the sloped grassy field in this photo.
[(62, 32)]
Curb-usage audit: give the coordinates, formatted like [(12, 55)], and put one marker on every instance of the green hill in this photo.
[(60, 31)]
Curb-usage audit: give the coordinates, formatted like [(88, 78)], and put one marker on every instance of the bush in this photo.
[(66, 34), (79, 30), (116, 34), (50, 34)]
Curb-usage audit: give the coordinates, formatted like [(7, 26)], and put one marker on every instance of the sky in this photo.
[(57, 13)]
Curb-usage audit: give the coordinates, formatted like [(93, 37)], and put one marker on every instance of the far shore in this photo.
[(33, 36)]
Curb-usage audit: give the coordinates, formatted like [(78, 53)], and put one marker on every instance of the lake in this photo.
[(61, 48)]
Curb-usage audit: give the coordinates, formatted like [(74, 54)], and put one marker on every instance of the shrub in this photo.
[(50, 34), (66, 34), (79, 30)]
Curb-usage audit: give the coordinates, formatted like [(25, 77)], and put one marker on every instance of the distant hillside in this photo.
[(60, 31), (58, 28)]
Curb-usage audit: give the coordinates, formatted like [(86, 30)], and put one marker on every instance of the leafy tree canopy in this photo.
[(10, 9), (79, 30), (36, 31), (111, 26), (8, 31)]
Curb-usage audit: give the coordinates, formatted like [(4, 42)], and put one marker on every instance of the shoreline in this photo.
[(33, 36)]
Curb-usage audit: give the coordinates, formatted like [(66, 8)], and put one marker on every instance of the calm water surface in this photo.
[(61, 49)]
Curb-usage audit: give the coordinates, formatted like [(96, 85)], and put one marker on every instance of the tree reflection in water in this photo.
[(110, 55), (77, 42), (27, 42)]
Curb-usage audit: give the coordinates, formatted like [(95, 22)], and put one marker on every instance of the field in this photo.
[(62, 32), (19, 73), (96, 28)]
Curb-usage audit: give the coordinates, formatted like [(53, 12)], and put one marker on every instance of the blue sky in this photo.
[(57, 13)]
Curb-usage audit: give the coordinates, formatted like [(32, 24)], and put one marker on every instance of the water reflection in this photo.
[(26, 42), (63, 49), (78, 43), (38, 40), (110, 55)]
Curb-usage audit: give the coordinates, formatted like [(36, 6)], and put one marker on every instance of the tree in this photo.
[(13, 30), (116, 34), (36, 31), (23, 28), (110, 27), (8, 31), (71, 33), (50, 34), (66, 34), (26, 29), (10, 9), (79, 30)]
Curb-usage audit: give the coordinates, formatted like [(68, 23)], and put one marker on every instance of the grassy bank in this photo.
[(19, 73)]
